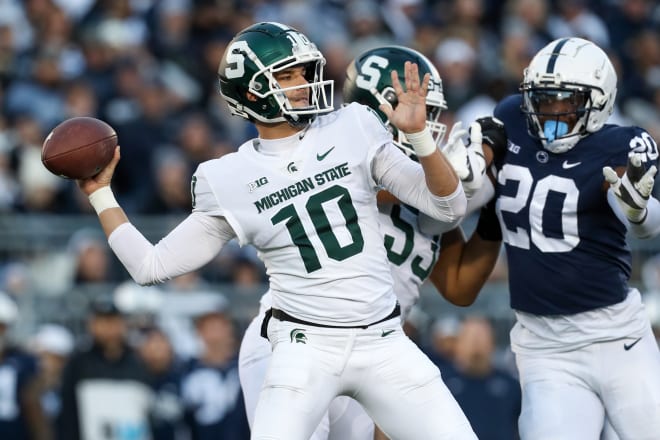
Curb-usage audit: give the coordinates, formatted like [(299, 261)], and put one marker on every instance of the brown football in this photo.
[(79, 148)]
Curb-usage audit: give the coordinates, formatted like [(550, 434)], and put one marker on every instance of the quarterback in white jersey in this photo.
[(304, 194), (411, 240)]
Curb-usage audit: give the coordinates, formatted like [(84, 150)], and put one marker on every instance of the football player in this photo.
[(412, 241), (583, 343), (304, 194)]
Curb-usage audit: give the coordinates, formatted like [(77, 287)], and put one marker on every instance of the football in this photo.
[(79, 148)]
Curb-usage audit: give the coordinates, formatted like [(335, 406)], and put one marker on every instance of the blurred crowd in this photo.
[(149, 367), (148, 67)]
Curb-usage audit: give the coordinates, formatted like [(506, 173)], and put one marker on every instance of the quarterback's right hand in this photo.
[(633, 190), (103, 178), (468, 161)]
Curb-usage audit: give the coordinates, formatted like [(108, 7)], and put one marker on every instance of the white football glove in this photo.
[(633, 190), (468, 161)]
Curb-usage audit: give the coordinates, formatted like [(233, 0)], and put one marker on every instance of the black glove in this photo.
[(494, 135)]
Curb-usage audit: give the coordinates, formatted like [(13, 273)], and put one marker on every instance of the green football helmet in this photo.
[(369, 82), (249, 64)]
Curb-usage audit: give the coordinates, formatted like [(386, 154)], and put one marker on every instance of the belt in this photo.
[(283, 316)]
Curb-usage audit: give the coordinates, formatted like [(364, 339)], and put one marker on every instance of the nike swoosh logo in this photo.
[(386, 332), (629, 346), (320, 157), (567, 165)]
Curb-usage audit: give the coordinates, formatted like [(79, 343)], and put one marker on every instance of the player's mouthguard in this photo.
[(554, 129)]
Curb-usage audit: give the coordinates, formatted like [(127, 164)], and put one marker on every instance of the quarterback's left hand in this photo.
[(468, 161), (409, 115), (633, 190)]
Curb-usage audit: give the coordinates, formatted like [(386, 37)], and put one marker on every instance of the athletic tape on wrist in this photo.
[(422, 142), (103, 199)]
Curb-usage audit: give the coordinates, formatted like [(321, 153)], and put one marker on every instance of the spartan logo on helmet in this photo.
[(369, 82), (249, 64)]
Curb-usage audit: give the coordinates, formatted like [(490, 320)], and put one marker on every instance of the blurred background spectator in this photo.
[(52, 345), (105, 386), (210, 387), (166, 413), (149, 68), (21, 414), (489, 395), (443, 338)]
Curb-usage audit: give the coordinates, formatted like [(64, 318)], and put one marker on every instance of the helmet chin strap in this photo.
[(300, 122), (554, 129)]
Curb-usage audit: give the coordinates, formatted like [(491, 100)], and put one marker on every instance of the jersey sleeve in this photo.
[(632, 139), (207, 202), (405, 179), (192, 244), (203, 197)]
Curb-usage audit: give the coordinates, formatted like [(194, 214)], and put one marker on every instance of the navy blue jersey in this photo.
[(17, 369), (566, 249)]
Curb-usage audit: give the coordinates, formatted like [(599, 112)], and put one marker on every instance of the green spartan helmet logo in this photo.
[(298, 336)]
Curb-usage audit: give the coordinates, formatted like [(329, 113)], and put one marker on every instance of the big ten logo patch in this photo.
[(252, 186)]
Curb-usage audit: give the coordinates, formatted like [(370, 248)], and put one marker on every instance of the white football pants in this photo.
[(345, 419), (399, 387), (568, 395)]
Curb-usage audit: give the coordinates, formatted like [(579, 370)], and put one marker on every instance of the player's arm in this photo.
[(463, 268), (410, 117), (192, 244), (404, 179)]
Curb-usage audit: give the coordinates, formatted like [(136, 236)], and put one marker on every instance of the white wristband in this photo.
[(103, 199), (422, 142)]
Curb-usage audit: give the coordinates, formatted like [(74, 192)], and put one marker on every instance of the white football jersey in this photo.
[(411, 253), (311, 214)]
